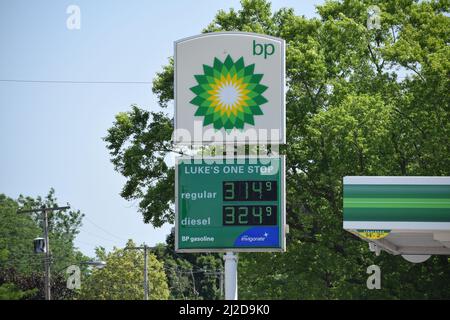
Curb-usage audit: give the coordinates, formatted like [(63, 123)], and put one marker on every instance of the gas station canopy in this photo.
[(408, 216)]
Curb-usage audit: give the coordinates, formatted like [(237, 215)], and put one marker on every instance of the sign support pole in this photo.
[(231, 259)]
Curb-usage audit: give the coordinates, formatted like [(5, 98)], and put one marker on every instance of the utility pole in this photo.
[(145, 273), (145, 248), (193, 284), (44, 211), (221, 275), (47, 285)]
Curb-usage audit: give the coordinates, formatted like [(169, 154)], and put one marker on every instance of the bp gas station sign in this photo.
[(229, 88), (234, 204)]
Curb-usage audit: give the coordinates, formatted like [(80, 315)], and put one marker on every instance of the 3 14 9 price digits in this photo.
[(250, 191)]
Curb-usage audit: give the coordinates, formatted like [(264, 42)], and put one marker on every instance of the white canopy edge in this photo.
[(397, 180), (393, 225)]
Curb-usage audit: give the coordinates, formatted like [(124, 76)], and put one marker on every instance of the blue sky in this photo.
[(51, 134)]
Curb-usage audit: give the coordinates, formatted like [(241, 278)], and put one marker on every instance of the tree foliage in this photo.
[(9, 291), (30, 286), (123, 276), (138, 143), (190, 276), (19, 265), (359, 102)]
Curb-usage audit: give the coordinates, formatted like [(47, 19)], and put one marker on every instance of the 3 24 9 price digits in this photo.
[(249, 215)]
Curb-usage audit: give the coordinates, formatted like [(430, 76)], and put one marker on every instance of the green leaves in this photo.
[(18, 231), (18, 262), (9, 291), (163, 84), (190, 276), (123, 276), (139, 156), (359, 102)]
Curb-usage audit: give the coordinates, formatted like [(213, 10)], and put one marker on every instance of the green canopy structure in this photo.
[(408, 216)]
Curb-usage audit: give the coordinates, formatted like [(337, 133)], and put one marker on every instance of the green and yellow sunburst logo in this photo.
[(228, 94)]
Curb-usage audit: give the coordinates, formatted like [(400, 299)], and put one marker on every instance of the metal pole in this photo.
[(47, 286), (221, 283), (231, 292), (145, 273)]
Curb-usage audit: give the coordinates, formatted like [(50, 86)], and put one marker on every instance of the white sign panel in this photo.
[(230, 89)]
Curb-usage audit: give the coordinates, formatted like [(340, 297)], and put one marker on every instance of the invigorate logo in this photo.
[(258, 237), (253, 239), (228, 94)]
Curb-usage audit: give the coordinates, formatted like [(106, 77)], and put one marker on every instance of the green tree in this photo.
[(18, 262), (17, 232), (30, 286), (9, 291), (123, 276), (190, 276), (359, 102)]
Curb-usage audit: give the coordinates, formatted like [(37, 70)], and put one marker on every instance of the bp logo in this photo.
[(228, 94)]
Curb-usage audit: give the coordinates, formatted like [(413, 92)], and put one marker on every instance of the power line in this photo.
[(88, 243), (74, 82), (104, 230), (99, 237), (32, 224), (183, 258), (399, 77)]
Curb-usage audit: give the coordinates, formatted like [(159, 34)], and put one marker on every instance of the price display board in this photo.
[(230, 204)]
